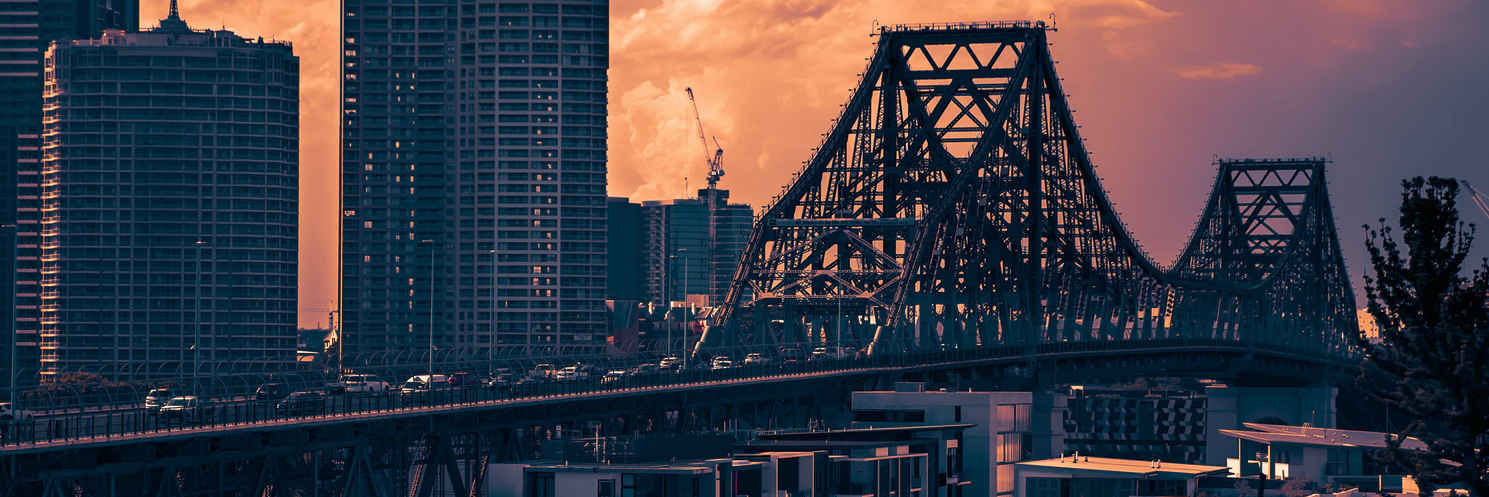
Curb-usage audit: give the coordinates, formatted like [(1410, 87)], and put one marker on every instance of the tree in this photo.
[(1432, 359)]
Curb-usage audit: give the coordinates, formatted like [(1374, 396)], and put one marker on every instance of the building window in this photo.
[(606, 489)]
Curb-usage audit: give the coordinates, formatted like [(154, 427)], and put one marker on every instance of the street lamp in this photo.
[(196, 339), (490, 347), (431, 310)]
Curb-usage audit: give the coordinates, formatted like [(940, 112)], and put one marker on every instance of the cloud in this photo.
[(1227, 70)]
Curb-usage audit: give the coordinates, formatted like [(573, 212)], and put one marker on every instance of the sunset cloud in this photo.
[(1228, 70)]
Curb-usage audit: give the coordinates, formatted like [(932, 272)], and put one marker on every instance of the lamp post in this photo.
[(492, 346), (431, 310), (10, 230), (196, 339)]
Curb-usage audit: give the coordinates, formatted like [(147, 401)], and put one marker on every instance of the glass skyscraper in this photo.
[(170, 168), (473, 176)]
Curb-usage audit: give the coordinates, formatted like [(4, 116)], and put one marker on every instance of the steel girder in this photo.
[(953, 204)]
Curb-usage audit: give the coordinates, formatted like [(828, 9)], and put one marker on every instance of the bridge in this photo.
[(950, 226)]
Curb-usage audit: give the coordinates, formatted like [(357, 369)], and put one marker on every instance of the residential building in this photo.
[(692, 247), (29, 27), (473, 175), (1086, 476), (1319, 456), (920, 460), (170, 180), (765, 474), (1143, 424), (1005, 426)]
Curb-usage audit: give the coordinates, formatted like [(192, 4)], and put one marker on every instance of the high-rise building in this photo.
[(27, 27), (692, 246), (473, 175), (170, 197), (624, 275)]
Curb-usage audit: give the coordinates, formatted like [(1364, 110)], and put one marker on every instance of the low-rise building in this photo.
[(900, 461), (1087, 476), (1320, 456), (1005, 427), (761, 474)]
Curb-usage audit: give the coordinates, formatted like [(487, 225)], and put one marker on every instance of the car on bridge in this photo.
[(183, 409), (721, 363), (542, 372), (302, 403), (363, 384), (158, 398), (670, 363), (755, 359), (9, 413), (271, 391), (644, 369), (424, 383), (569, 373), (613, 376)]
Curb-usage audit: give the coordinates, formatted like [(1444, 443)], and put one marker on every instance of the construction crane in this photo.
[(1478, 198), (715, 163)]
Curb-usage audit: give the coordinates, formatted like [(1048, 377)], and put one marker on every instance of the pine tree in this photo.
[(1431, 360)]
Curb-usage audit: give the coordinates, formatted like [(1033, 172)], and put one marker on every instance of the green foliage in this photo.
[(1432, 358)]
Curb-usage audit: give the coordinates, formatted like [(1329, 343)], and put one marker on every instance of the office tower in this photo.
[(624, 275), (170, 192), (473, 176), (27, 27), (692, 246)]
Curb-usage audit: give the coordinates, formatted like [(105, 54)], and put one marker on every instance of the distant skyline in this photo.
[(1386, 89)]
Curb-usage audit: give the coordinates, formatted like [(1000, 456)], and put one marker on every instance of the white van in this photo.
[(424, 383)]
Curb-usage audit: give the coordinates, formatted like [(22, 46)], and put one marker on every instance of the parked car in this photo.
[(424, 383), (271, 391), (613, 376), (755, 358), (363, 383), (721, 363), (157, 398), (185, 409), (302, 403)]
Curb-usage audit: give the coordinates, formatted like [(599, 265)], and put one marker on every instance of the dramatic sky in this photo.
[(1386, 89)]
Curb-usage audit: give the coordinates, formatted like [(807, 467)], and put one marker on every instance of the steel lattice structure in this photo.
[(953, 204)]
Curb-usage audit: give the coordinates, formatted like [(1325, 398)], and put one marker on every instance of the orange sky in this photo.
[(1159, 88)]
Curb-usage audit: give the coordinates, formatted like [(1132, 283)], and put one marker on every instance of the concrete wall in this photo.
[(1227, 407)]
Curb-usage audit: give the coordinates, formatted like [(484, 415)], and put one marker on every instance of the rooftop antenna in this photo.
[(175, 11)]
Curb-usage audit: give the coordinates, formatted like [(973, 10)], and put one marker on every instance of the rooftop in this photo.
[(857, 433), (1107, 466), (1324, 437)]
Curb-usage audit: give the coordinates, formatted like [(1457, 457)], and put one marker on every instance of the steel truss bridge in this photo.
[(953, 205), (951, 224)]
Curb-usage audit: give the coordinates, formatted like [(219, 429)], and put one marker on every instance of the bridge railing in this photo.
[(241, 410)]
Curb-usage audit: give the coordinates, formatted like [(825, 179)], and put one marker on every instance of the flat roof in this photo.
[(678, 468), (1324, 437), (829, 434), (1107, 466)]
